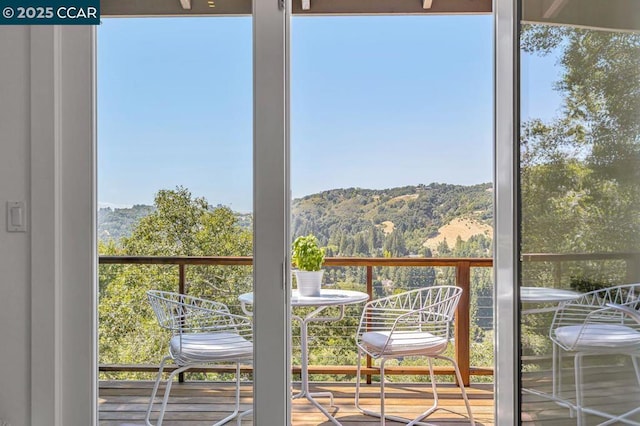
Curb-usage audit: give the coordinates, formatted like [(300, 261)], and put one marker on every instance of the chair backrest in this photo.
[(620, 294), (616, 305), (426, 309), (185, 314)]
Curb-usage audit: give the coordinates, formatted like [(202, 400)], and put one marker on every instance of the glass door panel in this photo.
[(175, 192), (391, 162), (580, 209)]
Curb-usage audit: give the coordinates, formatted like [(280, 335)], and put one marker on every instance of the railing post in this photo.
[(557, 273), (181, 290), (181, 278), (633, 269), (462, 321), (370, 293)]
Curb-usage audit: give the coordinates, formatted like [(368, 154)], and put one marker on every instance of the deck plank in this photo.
[(612, 389), (123, 403)]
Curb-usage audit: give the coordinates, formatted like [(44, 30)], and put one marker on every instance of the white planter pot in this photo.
[(309, 282)]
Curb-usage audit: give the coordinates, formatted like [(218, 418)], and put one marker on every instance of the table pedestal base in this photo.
[(304, 363), (310, 396)]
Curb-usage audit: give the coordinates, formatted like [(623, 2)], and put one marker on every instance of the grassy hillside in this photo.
[(410, 220), (116, 223), (397, 221)]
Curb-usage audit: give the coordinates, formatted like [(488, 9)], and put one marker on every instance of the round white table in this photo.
[(544, 295), (327, 298)]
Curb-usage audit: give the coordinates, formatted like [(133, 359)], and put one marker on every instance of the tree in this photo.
[(180, 225), (580, 178)]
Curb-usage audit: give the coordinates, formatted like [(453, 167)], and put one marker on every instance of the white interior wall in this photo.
[(15, 295), (47, 274)]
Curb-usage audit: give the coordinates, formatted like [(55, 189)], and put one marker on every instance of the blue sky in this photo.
[(377, 102)]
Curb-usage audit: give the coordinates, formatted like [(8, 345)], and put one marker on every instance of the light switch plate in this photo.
[(16, 216)]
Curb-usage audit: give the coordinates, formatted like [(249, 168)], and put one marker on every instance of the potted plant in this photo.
[(308, 257)]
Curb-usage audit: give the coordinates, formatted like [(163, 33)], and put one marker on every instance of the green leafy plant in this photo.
[(586, 284), (306, 253)]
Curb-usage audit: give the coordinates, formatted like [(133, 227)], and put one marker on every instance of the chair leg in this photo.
[(559, 377), (464, 393), (167, 390), (577, 367), (634, 360), (156, 385), (555, 376), (383, 417), (462, 390), (357, 396), (434, 389), (242, 415), (237, 403), (622, 418), (556, 379)]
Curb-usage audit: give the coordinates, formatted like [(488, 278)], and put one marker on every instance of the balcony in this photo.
[(123, 401), (195, 402)]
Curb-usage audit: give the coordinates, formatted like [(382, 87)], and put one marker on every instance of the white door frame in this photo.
[(63, 190), (62, 226), (506, 246), (63, 222), (271, 200)]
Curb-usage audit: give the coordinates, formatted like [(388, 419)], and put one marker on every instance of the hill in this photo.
[(410, 220), (114, 224), (463, 228), (404, 221)]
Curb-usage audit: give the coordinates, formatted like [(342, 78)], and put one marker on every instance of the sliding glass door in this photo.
[(566, 211), (579, 192), (193, 194)]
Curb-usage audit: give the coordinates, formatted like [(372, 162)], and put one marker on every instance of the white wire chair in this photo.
[(601, 322), (203, 332), (413, 323)]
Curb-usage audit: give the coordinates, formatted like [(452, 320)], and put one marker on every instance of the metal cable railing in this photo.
[(361, 274)]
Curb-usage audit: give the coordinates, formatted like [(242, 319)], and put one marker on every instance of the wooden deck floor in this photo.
[(123, 403), (611, 390)]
